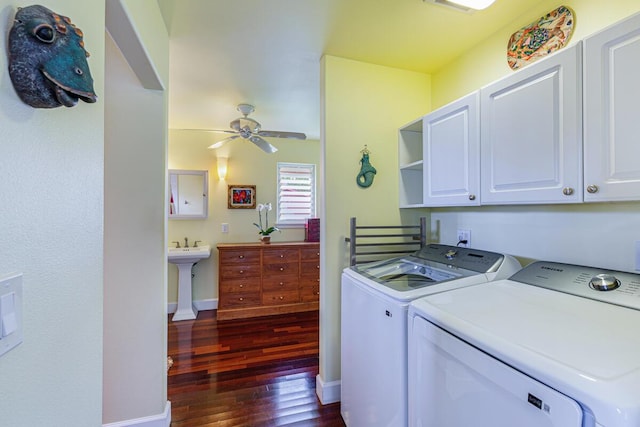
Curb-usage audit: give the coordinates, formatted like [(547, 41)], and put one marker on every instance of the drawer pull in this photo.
[(241, 299), (318, 293), (281, 255), (281, 298), (281, 268), (241, 286), (281, 283), (241, 256), (241, 271)]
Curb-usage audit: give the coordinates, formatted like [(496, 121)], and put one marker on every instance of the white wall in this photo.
[(51, 163), (135, 321)]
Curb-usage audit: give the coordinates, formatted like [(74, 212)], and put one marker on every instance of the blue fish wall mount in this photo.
[(47, 59)]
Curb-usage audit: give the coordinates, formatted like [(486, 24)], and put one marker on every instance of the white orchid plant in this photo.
[(266, 230)]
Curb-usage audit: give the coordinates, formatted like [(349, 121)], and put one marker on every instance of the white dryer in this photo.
[(375, 299), (553, 345)]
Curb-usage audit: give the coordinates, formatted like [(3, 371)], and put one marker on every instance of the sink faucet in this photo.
[(177, 244), (195, 244), (186, 242)]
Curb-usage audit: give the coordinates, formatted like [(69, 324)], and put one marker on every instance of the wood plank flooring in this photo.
[(246, 372)]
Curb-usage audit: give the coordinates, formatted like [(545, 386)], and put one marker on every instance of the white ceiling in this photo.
[(267, 52)]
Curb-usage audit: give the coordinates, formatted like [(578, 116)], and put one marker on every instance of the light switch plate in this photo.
[(10, 312)]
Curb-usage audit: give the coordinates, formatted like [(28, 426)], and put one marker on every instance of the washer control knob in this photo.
[(604, 282)]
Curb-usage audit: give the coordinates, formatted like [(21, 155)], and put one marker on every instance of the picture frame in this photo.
[(241, 197)]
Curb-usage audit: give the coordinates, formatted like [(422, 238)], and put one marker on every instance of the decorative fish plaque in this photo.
[(540, 38), (47, 59)]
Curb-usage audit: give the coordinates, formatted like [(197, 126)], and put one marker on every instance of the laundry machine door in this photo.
[(453, 384)]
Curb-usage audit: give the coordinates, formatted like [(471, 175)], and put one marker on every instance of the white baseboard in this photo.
[(203, 304), (160, 420), (327, 392)]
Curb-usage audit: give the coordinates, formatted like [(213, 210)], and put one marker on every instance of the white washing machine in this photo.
[(375, 298), (553, 345)]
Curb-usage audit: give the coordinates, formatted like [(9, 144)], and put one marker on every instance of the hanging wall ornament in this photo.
[(367, 172), (47, 60)]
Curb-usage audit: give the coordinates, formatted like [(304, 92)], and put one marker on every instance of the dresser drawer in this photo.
[(310, 254), (280, 297), (239, 300), (277, 255), (310, 269), (238, 271), (240, 256), (275, 283), (280, 268), (310, 293), (240, 285)]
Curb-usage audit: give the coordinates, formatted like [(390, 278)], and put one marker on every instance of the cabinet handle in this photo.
[(281, 283), (281, 255), (241, 256), (281, 298), (241, 271), (592, 189), (472, 196), (241, 299), (317, 267), (281, 268), (241, 286), (567, 191)]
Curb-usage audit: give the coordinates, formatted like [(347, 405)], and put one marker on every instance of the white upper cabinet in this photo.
[(531, 133), (411, 164), (612, 113), (452, 154)]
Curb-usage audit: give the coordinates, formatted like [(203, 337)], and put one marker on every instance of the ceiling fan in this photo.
[(249, 129)]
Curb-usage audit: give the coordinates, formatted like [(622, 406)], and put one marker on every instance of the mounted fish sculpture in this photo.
[(367, 172), (47, 60)]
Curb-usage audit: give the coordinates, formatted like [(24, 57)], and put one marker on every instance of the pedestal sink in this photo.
[(184, 258)]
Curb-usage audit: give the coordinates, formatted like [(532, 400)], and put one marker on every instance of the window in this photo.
[(296, 194)]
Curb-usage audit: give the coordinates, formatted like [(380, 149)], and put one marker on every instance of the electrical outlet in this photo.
[(464, 235), (225, 227)]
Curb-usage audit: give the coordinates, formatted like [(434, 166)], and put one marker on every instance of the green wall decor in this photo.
[(367, 172)]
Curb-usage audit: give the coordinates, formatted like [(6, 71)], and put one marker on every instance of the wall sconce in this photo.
[(222, 167)]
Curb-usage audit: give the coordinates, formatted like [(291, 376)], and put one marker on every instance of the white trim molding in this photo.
[(327, 392), (159, 420), (203, 304)]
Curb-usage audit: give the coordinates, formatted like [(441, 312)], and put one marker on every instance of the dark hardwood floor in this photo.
[(246, 372)]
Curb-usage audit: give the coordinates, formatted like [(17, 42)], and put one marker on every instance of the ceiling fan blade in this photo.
[(222, 142), (278, 134), (209, 130), (264, 145)]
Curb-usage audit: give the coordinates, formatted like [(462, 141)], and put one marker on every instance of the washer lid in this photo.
[(586, 349)]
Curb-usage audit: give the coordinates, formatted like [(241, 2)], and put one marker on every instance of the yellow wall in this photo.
[(362, 104), (487, 61), (248, 165)]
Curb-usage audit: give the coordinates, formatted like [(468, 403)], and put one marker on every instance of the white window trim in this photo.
[(309, 169)]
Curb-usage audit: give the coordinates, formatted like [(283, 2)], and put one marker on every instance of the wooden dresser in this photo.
[(256, 279)]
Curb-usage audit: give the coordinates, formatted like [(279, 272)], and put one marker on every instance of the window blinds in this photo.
[(296, 193)]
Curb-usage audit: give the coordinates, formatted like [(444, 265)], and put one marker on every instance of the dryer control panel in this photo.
[(614, 287)]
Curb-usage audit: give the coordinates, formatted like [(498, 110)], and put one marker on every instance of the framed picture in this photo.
[(241, 197)]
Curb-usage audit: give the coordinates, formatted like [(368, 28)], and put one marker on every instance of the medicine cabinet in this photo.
[(188, 194)]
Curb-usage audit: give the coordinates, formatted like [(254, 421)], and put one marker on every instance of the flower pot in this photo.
[(265, 239)]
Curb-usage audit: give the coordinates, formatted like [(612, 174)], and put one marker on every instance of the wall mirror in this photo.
[(188, 194)]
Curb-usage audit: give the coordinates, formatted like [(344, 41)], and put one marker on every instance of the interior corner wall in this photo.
[(362, 104), (51, 226), (135, 263)]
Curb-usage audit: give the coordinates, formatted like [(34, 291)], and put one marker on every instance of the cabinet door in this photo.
[(452, 154), (612, 113), (531, 136)]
